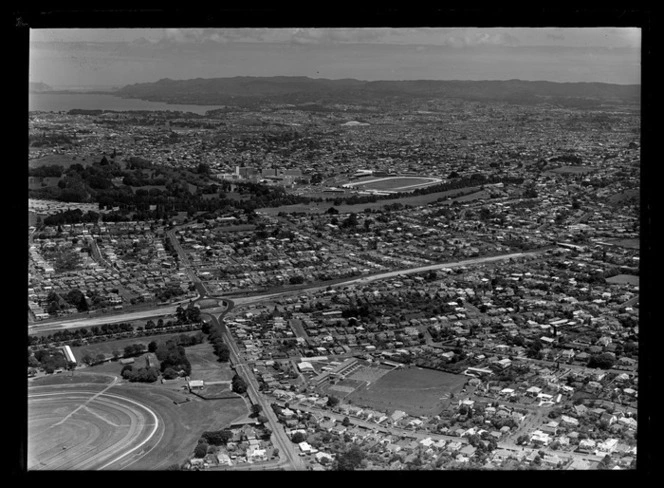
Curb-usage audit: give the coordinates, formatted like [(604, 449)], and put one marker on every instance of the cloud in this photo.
[(213, 36), (337, 36), (555, 37), (478, 38)]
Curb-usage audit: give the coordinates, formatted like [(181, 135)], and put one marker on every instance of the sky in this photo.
[(69, 58)]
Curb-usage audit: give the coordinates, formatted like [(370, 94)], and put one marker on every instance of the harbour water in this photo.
[(56, 102)]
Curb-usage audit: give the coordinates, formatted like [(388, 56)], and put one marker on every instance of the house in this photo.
[(569, 421), (628, 422), (224, 459), (397, 415), (580, 409), (607, 417), (587, 445), (607, 446), (428, 442), (255, 453), (468, 450), (540, 438), (306, 448), (320, 456), (551, 428), (533, 391)]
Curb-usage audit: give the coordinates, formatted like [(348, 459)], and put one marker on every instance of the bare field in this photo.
[(414, 390), (205, 365), (124, 426)]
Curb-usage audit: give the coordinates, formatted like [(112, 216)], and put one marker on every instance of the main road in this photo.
[(239, 301), (289, 457), (286, 447)]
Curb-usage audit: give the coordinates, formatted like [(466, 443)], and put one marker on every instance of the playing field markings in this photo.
[(155, 426), (85, 403), (101, 417)]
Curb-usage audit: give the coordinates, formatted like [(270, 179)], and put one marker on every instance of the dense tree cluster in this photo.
[(49, 140), (217, 437), (349, 460), (171, 291), (171, 354), (49, 359), (604, 360), (136, 349), (221, 350), (52, 170), (189, 315), (140, 375), (238, 384)]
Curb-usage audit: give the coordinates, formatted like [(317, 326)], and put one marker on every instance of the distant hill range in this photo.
[(39, 87), (298, 90)]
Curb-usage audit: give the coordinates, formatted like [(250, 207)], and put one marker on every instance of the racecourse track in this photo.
[(88, 427)]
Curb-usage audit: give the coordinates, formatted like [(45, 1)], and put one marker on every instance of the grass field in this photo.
[(74, 425), (109, 346), (574, 169), (474, 193), (205, 366), (624, 278), (57, 159), (414, 390), (628, 243)]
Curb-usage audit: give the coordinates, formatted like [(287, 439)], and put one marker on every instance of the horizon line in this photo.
[(332, 79)]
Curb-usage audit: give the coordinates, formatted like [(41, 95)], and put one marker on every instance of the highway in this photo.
[(240, 301)]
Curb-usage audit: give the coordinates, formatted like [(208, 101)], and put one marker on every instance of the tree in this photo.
[(345, 422), (88, 360), (170, 373), (298, 437), (127, 371), (349, 460), (238, 384), (201, 450), (256, 409), (332, 401), (217, 437), (604, 360), (152, 346)]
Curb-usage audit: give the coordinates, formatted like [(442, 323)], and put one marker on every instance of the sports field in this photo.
[(574, 169), (394, 183), (624, 279), (414, 390), (116, 426)]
